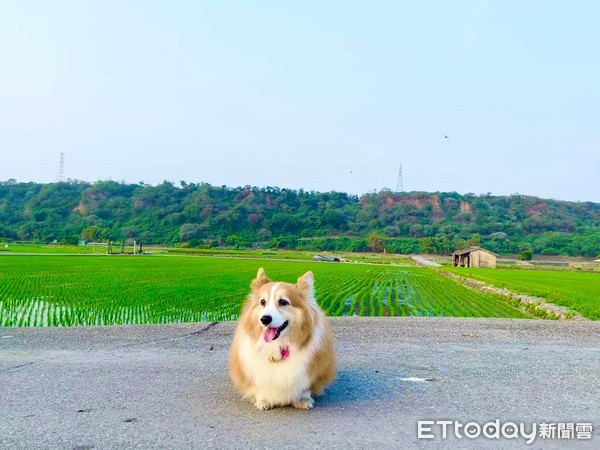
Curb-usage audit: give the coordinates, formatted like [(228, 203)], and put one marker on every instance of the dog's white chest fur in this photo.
[(278, 383)]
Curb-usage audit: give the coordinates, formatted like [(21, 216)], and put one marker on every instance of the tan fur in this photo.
[(309, 338)]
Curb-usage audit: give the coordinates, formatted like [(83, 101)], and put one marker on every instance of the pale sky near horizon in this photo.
[(317, 95)]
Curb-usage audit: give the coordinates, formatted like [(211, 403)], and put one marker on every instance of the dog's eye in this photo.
[(283, 302), (263, 302)]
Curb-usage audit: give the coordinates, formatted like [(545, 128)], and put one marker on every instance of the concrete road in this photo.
[(423, 261), (149, 387)]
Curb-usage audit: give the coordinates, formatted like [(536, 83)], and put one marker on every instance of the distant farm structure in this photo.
[(137, 249), (474, 257), (326, 258), (122, 249)]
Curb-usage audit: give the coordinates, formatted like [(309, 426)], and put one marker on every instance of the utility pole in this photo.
[(399, 185)]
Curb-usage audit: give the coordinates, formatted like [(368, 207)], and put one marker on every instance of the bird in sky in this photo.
[(446, 136)]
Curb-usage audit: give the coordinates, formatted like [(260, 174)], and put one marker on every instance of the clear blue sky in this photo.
[(320, 95)]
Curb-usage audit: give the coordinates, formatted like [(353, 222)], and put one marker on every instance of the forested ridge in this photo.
[(198, 214)]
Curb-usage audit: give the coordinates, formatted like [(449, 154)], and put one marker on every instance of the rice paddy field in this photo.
[(110, 290), (578, 291)]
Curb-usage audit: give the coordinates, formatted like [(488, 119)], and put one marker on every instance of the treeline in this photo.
[(198, 214)]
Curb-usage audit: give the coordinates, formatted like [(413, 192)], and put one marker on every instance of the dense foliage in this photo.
[(204, 215)]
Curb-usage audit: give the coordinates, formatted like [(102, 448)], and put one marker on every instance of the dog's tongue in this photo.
[(270, 334)]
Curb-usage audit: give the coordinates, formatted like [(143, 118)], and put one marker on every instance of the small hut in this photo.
[(474, 257)]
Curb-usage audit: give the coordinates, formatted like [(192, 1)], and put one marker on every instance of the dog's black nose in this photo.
[(266, 320)]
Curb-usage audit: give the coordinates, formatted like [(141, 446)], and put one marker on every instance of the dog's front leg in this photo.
[(305, 401), (262, 404)]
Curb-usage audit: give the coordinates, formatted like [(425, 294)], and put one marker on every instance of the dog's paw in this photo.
[(304, 403), (263, 405)]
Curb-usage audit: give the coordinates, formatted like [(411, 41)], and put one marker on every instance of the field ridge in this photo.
[(536, 305)]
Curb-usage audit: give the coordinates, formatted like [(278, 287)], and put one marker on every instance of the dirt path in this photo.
[(421, 261)]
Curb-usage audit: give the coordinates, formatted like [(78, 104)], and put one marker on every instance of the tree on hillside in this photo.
[(94, 233), (375, 242), (526, 255), (171, 213)]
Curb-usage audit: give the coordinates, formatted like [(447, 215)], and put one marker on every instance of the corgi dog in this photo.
[(282, 350)]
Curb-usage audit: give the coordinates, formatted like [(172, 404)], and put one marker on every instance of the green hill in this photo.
[(201, 214)]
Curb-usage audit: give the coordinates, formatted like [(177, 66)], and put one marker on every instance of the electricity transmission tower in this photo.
[(399, 185), (61, 169)]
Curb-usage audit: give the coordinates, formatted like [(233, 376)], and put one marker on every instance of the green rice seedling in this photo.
[(109, 290), (578, 291)]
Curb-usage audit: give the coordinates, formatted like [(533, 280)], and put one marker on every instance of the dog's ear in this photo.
[(306, 282), (260, 280)]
